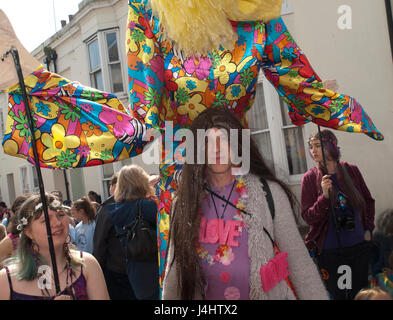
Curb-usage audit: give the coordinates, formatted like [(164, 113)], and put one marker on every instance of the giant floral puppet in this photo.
[(183, 56)]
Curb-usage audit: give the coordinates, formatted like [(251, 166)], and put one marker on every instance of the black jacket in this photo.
[(107, 248), (143, 276)]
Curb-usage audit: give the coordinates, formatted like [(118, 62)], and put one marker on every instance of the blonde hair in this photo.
[(132, 184), (199, 26), (369, 294)]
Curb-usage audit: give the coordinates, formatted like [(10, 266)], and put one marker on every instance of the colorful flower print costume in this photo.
[(81, 126)]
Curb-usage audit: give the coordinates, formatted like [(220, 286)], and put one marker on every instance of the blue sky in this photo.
[(34, 20)]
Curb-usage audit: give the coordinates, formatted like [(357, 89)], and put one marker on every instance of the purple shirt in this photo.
[(348, 237), (314, 207), (224, 247)]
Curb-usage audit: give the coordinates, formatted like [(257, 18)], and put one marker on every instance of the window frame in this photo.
[(92, 72), (32, 188), (277, 138), (109, 63), (105, 182), (107, 81)]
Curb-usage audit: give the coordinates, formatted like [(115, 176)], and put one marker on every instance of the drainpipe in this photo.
[(51, 55)]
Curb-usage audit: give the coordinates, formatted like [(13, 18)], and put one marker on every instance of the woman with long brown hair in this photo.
[(225, 235), (354, 210)]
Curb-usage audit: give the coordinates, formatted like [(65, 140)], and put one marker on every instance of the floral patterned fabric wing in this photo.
[(166, 86), (75, 126), (288, 69)]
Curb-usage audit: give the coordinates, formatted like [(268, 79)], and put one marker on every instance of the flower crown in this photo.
[(54, 205)]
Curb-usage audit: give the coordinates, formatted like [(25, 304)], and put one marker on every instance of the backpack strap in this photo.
[(138, 209), (270, 202), (269, 197), (9, 282)]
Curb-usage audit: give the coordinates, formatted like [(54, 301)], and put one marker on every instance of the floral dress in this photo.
[(78, 126)]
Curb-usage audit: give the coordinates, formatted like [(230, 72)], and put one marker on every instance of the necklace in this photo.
[(226, 200), (224, 253)]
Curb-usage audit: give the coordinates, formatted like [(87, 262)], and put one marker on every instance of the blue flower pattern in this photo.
[(42, 108)]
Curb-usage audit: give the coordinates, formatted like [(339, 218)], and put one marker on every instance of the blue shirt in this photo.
[(4, 222), (84, 234), (72, 233)]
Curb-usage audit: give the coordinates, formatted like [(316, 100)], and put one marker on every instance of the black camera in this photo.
[(346, 222)]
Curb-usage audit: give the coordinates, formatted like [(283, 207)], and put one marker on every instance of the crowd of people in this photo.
[(217, 249)]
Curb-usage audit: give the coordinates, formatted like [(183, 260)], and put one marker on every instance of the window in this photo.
[(114, 62), (104, 61), (95, 65), (280, 142), (28, 179), (107, 171), (259, 126), (24, 180)]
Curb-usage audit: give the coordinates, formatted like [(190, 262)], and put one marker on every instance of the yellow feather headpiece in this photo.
[(199, 26)]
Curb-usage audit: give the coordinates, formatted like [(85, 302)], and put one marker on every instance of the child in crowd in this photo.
[(84, 211)]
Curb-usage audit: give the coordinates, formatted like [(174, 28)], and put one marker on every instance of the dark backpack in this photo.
[(141, 238)]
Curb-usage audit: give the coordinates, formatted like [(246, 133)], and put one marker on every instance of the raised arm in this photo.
[(290, 72), (314, 207), (76, 126)]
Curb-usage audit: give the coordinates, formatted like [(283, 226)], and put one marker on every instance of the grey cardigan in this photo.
[(303, 272)]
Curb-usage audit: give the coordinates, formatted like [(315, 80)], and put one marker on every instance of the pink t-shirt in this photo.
[(223, 247)]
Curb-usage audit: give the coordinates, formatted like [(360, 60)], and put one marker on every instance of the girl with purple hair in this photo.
[(354, 210)]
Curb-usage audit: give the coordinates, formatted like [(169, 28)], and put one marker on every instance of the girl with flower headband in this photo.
[(28, 274), (183, 56), (224, 241), (353, 205)]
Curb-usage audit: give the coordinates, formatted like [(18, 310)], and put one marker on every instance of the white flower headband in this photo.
[(54, 205)]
